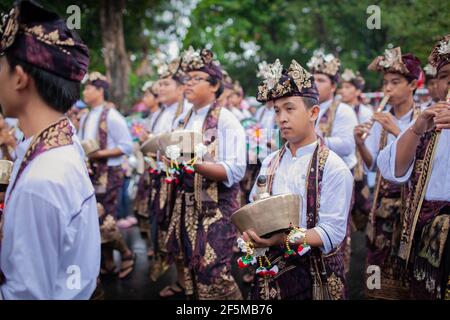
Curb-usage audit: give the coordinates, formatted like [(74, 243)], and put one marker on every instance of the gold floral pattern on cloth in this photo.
[(208, 221), (191, 218), (388, 206), (327, 126), (267, 292), (415, 199), (51, 38), (210, 255), (434, 236), (56, 135), (335, 287), (302, 78), (9, 28), (224, 287)]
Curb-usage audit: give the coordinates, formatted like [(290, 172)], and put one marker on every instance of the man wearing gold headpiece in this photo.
[(201, 232), (400, 73), (307, 167), (50, 240), (420, 158)]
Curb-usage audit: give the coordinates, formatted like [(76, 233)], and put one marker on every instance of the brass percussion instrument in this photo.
[(90, 146), (268, 214), (6, 167)]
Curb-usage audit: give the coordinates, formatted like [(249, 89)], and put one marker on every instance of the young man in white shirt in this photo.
[(50, 240), (303, 166)]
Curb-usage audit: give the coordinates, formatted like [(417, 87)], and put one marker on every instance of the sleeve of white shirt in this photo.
[(342, 140), (372, 144), (39, 236), (119, 132), (232, 147), (336, 194), (386, 162)]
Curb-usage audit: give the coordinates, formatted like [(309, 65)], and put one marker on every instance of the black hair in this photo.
[(214, 81), (310, 102), (59, 93)]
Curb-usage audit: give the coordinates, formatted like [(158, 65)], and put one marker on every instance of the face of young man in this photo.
[(295, 120), (443, 82), (234, 100), (198, 89), (170, 91), (223, 100), (9, 95), (349, 93), (398, 87), (432, 89), (325, 87), (150, 100), (92, 95)]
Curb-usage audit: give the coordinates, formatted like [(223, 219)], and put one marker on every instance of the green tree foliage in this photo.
[(288, 29)]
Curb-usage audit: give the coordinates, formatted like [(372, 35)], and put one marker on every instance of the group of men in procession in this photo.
[(60, 206)]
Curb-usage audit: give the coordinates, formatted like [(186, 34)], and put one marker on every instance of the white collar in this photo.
[(172, 106), (302, 151), (98, 108), (23, 147), (325, 105), (202, 111)]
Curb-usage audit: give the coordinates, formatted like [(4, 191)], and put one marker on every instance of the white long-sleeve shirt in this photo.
[(118, 136), (51, 240), (365, 113), (438, 188), (341, 141), (337, 187), (232, 145), (372, 142), (169, 120)]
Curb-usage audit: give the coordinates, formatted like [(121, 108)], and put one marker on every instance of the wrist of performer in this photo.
[(416, 131)]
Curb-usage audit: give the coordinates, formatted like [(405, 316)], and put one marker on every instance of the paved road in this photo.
[(138, 285)]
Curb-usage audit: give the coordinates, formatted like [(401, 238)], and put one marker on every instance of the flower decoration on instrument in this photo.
[(254, 255), (200, 151), (173, 153)]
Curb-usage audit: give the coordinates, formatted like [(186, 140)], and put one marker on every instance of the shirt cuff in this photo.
[(127, 150), (230, 181), (326, 240), (407, 175)]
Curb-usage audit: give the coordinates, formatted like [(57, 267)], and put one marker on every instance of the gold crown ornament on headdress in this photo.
[(430, 70), (441, 52), (324, 63), (196, 59), (276, 84), (391, 61), (94, 76), (170, 69)]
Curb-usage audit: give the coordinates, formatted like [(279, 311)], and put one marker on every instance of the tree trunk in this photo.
[(116, 58)]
